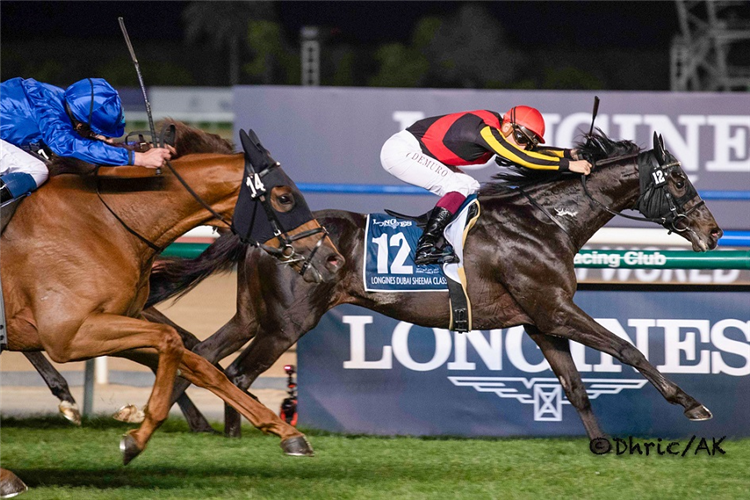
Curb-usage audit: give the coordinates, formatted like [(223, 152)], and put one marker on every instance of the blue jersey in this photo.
[(33, 112)]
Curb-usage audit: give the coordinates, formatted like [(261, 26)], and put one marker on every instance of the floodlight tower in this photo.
[(711, 51)]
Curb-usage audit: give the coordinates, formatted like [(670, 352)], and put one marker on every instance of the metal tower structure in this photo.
[(712, 51), (310, 53)]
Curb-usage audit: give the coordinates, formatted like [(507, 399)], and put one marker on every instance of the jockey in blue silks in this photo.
[(37, 119)]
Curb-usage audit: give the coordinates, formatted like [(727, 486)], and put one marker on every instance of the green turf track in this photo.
[(59, 461)]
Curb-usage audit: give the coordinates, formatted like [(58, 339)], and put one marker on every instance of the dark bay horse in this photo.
[(518, 261), (75, 277)]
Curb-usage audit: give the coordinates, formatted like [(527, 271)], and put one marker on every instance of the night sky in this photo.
[(533, 24)]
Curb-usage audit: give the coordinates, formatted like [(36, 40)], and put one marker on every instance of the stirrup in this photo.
[(435, 256)]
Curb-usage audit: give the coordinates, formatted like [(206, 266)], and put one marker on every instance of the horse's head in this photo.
[(668, 195), (272, 212)]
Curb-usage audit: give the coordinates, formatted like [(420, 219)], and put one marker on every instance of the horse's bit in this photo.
[(286, 252)]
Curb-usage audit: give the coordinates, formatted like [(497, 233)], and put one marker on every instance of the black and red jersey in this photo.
[(472, 137)]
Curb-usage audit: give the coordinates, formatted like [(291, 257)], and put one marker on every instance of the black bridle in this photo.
[(654, 202), (286, 253)]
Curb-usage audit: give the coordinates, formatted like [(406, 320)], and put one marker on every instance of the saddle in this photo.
[(7, 211), (458, 297)]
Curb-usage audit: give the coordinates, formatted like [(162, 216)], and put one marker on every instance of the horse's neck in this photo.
[(616, 187), (161, 216)]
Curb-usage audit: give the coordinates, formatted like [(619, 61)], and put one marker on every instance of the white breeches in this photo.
[(403, 158), (15, 159)]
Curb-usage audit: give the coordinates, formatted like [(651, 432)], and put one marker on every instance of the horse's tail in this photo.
[(174, 277)]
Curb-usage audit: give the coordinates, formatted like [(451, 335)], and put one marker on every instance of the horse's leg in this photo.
[(203, 374), (57, 384), (217, 347), (574, 324), (556, 351), (108, 334), (258, 357), (10, 484), (195, 419), (154, 315), (227, 340)]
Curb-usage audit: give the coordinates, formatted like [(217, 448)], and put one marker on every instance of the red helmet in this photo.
[(527, 118)]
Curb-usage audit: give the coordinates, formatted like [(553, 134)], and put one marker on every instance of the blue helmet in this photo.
[(94, 102)]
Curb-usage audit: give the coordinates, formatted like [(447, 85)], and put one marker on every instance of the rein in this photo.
[(132, 231), (151, 245), (544, 210), (286, 253)]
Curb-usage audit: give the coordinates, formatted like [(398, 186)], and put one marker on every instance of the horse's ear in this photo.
[(245, 140), (659, 151), (256, 153)]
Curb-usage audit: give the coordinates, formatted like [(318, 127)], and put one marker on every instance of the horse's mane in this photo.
[(595, 146), (188, 140)]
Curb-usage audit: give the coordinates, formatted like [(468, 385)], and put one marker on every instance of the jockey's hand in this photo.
[(580, 167), (154, 157), (574, 154)]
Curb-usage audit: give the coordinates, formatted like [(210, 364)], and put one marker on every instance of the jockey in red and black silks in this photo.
[(429, 153)]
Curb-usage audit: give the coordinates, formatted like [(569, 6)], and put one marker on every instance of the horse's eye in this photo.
[(286, 199), (680, 184)]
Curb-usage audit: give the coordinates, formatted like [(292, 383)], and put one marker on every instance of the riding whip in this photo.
[(591, 129), (143, 87), (593, 114)]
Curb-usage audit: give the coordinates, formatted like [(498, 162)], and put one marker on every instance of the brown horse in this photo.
[(76, 276), (519, 263)]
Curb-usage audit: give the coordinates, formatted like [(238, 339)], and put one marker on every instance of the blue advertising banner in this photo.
[(361, 372), (334, 134)]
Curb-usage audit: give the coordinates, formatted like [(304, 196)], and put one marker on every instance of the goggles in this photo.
[(524, 137)]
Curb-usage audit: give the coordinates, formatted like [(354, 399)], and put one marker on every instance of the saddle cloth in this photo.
[(389, 260)]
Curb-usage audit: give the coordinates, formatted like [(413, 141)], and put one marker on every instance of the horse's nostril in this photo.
[(334, 262), (717, 233)]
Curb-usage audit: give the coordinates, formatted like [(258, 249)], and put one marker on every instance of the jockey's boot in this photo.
[(427, 252), (15, 185)]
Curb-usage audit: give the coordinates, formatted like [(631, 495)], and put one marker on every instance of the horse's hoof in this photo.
[(698, 413), (70, 411), (130, 414), (297, 446), (10, 484), (129, 448)]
